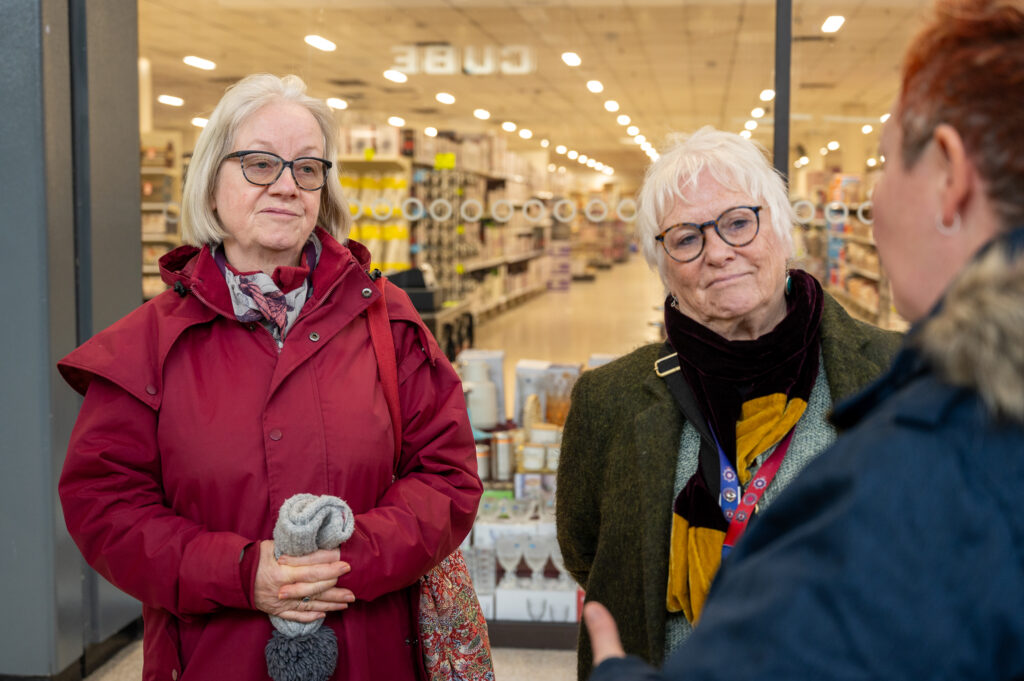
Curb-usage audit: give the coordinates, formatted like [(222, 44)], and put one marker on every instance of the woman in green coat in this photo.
[(669, 452)]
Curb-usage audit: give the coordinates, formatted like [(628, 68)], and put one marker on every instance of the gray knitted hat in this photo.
[(300, 651)]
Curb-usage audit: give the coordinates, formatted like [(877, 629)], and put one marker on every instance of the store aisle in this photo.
[(610, 315)]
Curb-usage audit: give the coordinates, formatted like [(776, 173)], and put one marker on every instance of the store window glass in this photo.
[(845, 76), (497, 143)]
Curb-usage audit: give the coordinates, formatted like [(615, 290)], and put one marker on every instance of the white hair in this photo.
[(736, 163), (199, 223)]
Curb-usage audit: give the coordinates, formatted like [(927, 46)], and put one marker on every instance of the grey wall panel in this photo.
[(37, 272)]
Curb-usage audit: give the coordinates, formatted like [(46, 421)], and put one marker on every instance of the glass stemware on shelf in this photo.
[(535, 552), (564, 580), (508, 550)]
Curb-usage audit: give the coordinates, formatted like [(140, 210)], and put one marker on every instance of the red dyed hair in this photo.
[(966, 69)]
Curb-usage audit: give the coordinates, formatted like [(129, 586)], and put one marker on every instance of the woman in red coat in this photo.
[(251, 380)]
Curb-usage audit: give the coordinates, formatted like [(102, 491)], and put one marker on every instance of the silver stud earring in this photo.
[(948, 230)]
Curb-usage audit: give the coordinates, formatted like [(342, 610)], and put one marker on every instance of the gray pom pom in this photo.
[(312, 657)]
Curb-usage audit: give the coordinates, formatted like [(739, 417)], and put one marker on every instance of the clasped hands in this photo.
[(300, 588)]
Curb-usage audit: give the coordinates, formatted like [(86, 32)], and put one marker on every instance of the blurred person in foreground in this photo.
[(899, 553), (251, 380), (664, 448)]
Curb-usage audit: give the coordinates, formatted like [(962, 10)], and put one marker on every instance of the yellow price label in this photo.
[(459, 269), (461, 229), (369, 153)]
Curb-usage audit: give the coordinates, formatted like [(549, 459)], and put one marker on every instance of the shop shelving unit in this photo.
[(161, 174)]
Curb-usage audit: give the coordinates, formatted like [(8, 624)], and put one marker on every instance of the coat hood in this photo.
[(975, 339)]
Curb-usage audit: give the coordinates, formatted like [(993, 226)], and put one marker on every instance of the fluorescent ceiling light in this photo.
[(445, 97), (200, 122), (395, 76), (396, 121), (595, 86), (832, 24), (611, 105), (336, 103), (482, 114), (767, 95), (170, 100), (199, 63), (571, 58), (320, 43)]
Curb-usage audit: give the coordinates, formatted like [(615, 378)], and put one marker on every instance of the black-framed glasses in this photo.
[(737, 226), (264, 168)]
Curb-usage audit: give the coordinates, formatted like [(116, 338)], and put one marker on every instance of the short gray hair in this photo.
[(735, 162), (199, 223)]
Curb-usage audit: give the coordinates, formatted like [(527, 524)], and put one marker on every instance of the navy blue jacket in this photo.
[(899, 553)]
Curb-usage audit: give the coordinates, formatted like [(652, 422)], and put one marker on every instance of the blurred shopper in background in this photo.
[(899, 553), (669, 451)]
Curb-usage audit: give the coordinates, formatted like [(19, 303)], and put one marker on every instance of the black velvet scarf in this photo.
[(724, 374)]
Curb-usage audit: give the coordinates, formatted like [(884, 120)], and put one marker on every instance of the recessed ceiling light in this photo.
[(572, 154), (598, 166), (832, 24), (745, 134), (508, 126), (833, 145), (750, 125), (632, 130), (320, 43), (823, 151), (767, 95), (611, 105), (482, 114), (445, 97), (396, 121), (199, 63), (561, 169), (552, 167), (608, 170), (561, 149), (757, 113), (571, 58), (639, 139), (623, 119), (544, 143), (395, 76), (804, 160), (591, 163), (336, 103), (526, 133), (883, 118), (866, 129), (430, 131), (595, 86), (582, 158), (872, 162), (200, 122), (170, 100)]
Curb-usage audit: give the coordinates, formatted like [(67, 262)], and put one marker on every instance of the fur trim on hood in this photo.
[(976, 339)]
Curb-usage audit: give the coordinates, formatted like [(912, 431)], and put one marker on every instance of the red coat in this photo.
[(195, 429)]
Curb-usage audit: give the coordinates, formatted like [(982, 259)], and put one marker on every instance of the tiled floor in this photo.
[(608, 315)]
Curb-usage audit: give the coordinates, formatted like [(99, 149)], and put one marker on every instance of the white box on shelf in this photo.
[(536, 605), (495, 360), (487, 606)]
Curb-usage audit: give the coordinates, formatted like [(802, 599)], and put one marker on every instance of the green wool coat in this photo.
[(615, 476)]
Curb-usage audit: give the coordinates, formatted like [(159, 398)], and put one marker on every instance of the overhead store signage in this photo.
[(448, 60)]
